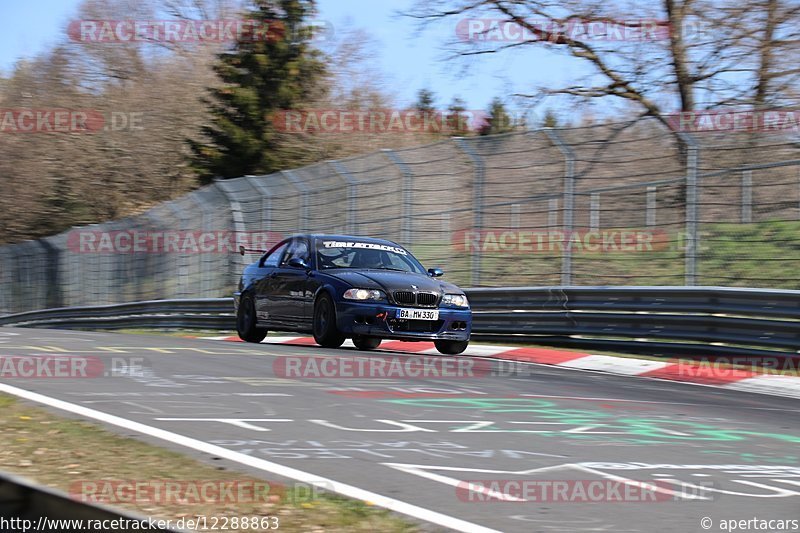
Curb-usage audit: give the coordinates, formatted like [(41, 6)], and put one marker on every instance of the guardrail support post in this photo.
[(352, 194), (691, 209), (569, 203), (408, 195), (479, 178)]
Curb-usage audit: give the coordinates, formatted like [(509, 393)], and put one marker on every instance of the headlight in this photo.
[(364, 294), (456, 300)]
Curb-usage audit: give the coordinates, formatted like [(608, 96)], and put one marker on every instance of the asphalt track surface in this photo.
[(411, 443)]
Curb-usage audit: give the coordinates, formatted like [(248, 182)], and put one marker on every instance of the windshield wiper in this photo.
[(390, 268)]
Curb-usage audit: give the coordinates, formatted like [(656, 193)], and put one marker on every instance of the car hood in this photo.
[(391, 281)]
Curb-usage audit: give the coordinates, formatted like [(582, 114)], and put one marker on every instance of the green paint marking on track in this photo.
[(594, 424)]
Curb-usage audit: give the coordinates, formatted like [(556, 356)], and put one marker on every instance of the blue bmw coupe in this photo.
[(337, 287)]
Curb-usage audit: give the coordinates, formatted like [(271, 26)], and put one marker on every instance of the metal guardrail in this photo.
[(22, 500), (656, 320), (205, 313), (689, 321)]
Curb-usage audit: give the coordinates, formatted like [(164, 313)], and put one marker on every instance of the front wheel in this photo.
[(365, 343), (325, 332), (451, 347), (246, 322)]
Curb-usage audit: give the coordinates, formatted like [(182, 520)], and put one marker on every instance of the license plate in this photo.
[(417, 314)]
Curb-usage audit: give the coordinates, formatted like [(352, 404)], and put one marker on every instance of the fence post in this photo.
[(408, 194), (54, 296), (747, 196), (594, 211), (650, 215), (552, 213), (237, 262), (352, 193), (183, 283), (691, 209), (205, 272), (266, 200), (5, 282), (303, 189), (479, 178), (569, 203), (515, 216)]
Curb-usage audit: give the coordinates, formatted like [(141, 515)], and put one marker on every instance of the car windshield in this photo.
[(366, 255)]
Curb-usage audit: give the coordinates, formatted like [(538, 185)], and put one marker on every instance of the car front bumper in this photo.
[(380, 320)]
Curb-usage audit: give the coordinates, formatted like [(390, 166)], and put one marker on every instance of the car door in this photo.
[(268, 267), (289, 286)]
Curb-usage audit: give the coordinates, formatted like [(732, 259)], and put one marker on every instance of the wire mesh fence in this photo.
[(619, 204)]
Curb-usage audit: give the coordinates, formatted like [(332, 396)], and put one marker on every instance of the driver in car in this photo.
[(370, 259)]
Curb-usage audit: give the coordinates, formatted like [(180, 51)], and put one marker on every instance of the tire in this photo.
[(451, 347), (246, 322), (325, 332), (365, 343)]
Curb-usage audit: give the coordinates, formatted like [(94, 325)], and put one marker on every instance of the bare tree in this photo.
[(150, 95), (682, 54)]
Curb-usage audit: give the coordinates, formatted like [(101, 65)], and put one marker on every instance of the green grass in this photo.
[(763, 254), (767, 252)]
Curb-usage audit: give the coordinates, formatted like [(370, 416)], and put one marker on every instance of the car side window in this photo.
[(299, 250), (274, 258)]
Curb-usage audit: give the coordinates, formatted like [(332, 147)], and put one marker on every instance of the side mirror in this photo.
[(296, 262), (435, 272)]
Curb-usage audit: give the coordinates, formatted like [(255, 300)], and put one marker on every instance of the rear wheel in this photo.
[(451, 347), (325, 332), (365, 343), (246, 322)]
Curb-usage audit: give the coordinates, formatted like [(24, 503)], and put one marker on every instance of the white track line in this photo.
[(261, 464)]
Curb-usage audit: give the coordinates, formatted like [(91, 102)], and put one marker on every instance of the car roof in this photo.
[(348, 238)]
